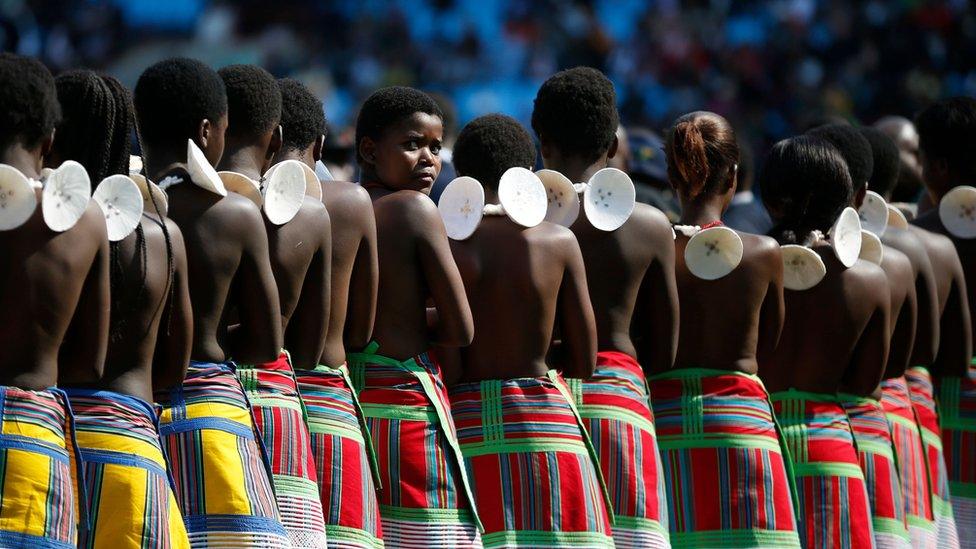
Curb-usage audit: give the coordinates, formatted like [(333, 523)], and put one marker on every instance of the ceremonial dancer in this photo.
[(630, 276), (516, 418), (869, 424), (222, 477), (947, 130), (425, 499), (719, 442), (300, 250), (130, 500), (807, 189), (345, 462), (55, 314)]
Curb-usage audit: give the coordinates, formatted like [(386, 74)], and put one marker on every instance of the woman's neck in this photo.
[(701, 212)]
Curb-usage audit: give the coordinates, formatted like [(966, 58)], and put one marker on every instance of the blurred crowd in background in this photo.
[(771, 67)]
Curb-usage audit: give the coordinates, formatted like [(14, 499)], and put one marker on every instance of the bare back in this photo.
[(55, 291), (355, 270), (836, 334), (733, 322), (415, 264), (630, 274), (925, 344), (301, 260), (516, 280), (954, 261), (229, 269), (142, 348), (904, 308)]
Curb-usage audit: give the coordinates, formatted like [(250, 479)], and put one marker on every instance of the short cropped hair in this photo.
[(173, 96), (853, 147), (947, 130), (29, 108), (302, 115), (576, 111), (887, 162), (387, 106), (491, 144), (253, 101)]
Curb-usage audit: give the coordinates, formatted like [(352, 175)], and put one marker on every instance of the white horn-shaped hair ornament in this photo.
[(67, 191), (845, 237), (608, 199), (151, 192), (896, 218), (521, 197), (874, 213), (957, 210), (201, 172), (243, 185), (121, 201), (17, 198), (871, 248), (313, 186), (564, 202), (135, 165), (283, 190), (802, 267), (711, 253)]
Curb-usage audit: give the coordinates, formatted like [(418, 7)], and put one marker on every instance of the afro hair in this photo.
[(302, 116), (491, 144), (887, 163), (387, 106), (30, 109), (855, 149), (576, 111), (253, 101), (947, 130), (173, 96)]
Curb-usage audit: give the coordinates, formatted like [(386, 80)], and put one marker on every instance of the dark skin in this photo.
[(631, 273), (399, 166), (732, 323), (300, 252), (228, 258), (56, 290), (355, 266), (903, 277), (520, 283), (837, 337), (955, 259)]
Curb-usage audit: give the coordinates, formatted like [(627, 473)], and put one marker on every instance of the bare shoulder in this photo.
[(897, 264), (408, 205), (760, 249), (346, 196), (92, 222), (650, 222), (868, 279)]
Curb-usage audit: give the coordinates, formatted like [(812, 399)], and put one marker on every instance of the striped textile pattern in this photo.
[(922, 392), (279, 416), (344, 458), (724, 465), (536, 479), (876, 455), (425, 499), (833, 500), (130, 499), (221, 477), (37, 493), (615, 407), (906, 435), (957, 405)]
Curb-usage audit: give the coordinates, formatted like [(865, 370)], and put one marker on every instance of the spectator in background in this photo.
[(649, 170), (746, 212), (902, 131)]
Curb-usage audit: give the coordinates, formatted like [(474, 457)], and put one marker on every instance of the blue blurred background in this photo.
[(771, 67)]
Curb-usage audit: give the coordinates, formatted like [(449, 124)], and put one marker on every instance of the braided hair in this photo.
[(805, 185)]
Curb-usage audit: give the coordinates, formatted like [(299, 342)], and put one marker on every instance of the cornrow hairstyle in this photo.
[(947, 131), (302, 116), (701, 150), (887, 162), (805, 184), (491, 144), (29, 108), (853, 147), (387, 106), (253, 101), (576, 111)]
